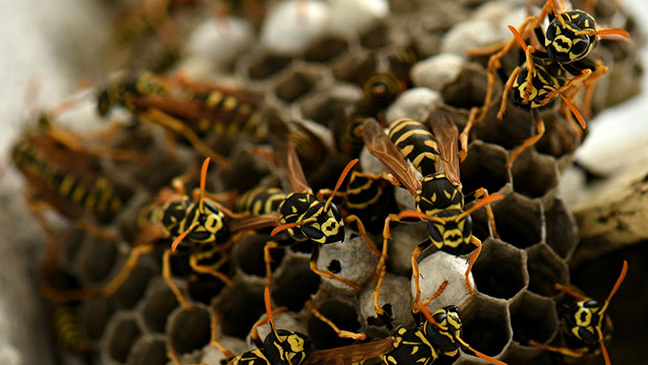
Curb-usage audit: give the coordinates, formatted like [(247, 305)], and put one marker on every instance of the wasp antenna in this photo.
[(518, 37), (203, 178), (479, 354), (345, 172), (268, 308), (286, 226), (184, 234), (620, 32), (622, 276), (487, 200), (574, 111), (426, 313), (606, 356)]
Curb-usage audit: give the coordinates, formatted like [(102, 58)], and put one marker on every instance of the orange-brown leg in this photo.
[(481, 192), (381, 268), (214, 333), (327, 273), (96, 231), (207, 269), (166, 275), (74, 143), (341, 333), (362, 232), (527, 142), (471, 262), (268, 260), (507, 90), (560, 350), (463, 137), (124, 273), (416, 275)]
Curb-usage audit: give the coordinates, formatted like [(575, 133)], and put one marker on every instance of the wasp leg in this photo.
[(363, 233), (268, 260), (207, 269), (255, 328), (381, 268), (325, 193), (157, 117), (96, 231), (529, 141), (589, 84), (436, 294), (463, 137), (416, 274), (471, 262), (561, 350), (74, 143), (327, 273), (124, 273), (568, 85), (340, 333), (507, 90), (214, 333), (481, 192), (166, 275)]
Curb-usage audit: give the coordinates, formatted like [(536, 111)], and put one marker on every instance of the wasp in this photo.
[(438, 195), (567, 41), (440, 334), (301, 214), (197, 225), (284, 347), (586, 328)]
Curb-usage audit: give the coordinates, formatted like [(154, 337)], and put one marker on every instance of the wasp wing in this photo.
[(255, 223), (383, 148), (447, 137), (353, 354)]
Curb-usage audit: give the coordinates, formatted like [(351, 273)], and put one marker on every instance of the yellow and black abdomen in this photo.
[(260, 201), (416, 144)]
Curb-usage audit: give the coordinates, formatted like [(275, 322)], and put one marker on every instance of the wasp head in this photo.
[(564, 41), (583, 319), (210, 225), (450, 231), (286, 347)]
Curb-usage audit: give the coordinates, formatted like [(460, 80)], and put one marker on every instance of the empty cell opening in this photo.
[(559, 138), (485, 167), (534, 175), (562, 235), (499, 271), (545, 270), (122, 339), (239, 307), (518, 220), (295, 285), (133, 289), (533, 318), (203, 288), (98, 260), (376, 37), (248, 255), (95, 314), (157, 309), (326, 49), (244, 174), (190, 330), (486, 328), (342, 314), (326, 111), (468, 90), (294, 86), (149, 353), (267, 66)]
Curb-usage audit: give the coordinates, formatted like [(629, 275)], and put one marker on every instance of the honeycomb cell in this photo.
[(485, 167), (518, 220), (375, 37), (500, 270), (395, 299), (560, 138), (343, 314), (545, 270), (328, 107), (246, 170), (326, 49), (239, 306), (562, 231), (130, 293), (95, 314), (468, 90), (267, 65), (294, 282), (159, 303), (148, 351), (405, 238), (486, 325), (121, 337), (534, 175), (435, 270), (97, 259), (533, 318), (296, 84), (189, 330), (248, 255)]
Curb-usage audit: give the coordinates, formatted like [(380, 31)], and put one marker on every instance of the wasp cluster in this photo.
[(317, 85)]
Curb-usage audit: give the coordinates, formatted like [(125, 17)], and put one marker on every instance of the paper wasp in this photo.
[(284, 347), (197, 225), (586, 328), (438, 195), (440, 334), (568, 40), (300, 213)]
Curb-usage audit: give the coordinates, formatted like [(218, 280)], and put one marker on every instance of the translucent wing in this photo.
[(447, 136), (382, 147), (255, 223), (352, 354)]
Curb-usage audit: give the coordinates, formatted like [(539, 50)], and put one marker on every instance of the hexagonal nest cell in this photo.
[(522, 259)]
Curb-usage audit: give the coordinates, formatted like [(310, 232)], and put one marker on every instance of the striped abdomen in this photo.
[(416, 144), (260, 201), (228, 115)]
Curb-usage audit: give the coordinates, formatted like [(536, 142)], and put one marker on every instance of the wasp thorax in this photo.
[(288, 349), (451, 231), (444, 334), (437, 194)]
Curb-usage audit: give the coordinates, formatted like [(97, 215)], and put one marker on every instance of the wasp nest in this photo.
[(314, 80)]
